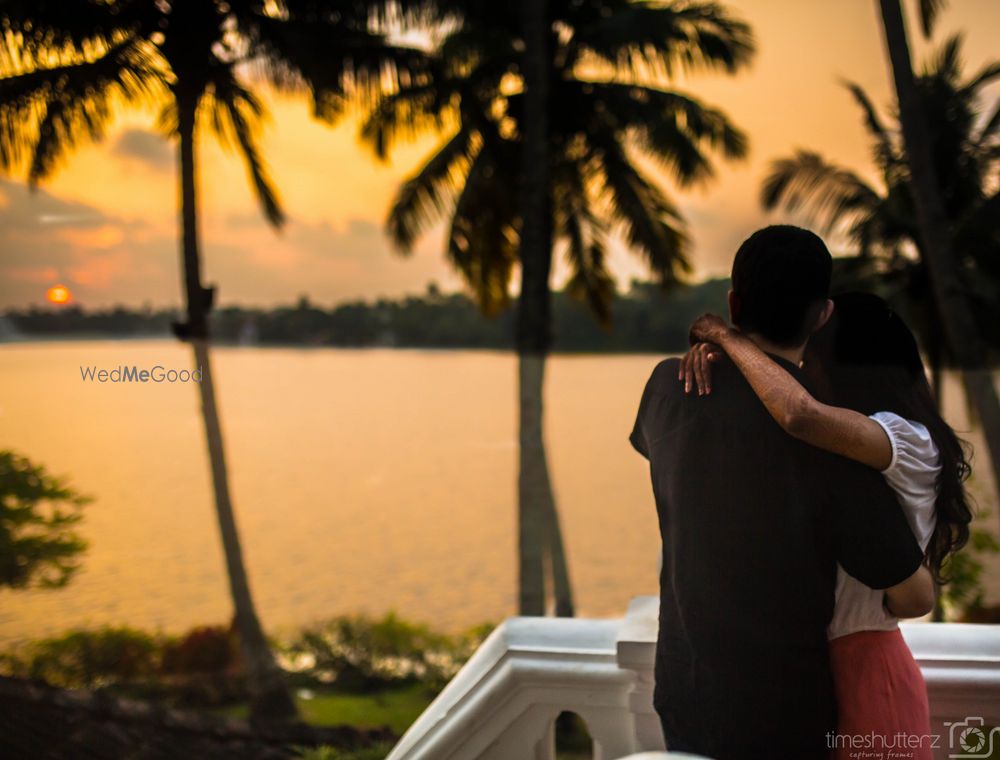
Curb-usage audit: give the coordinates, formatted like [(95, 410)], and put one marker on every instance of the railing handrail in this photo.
[(503, 701)]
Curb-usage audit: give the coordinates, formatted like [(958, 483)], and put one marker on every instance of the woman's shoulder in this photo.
[(913, 471), (913, 449)]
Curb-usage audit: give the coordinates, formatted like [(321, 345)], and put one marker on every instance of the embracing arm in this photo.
[(842, 431)]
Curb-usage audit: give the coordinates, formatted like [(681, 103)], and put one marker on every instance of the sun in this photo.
[(58, 294)]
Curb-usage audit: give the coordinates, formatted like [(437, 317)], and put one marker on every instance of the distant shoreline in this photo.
[(107, 338), (645, 319)]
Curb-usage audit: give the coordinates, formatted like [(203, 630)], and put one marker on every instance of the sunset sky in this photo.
[(106, 224)]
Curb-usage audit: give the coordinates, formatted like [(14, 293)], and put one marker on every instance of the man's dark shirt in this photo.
[(753, 523)]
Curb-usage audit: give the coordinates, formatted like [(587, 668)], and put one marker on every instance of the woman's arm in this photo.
[(912, 598), (842, 431)]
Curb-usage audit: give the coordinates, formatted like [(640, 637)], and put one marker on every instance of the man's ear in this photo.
[(733, 302), (824, 315)]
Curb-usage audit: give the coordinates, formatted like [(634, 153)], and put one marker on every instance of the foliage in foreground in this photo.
[(200, 667), (38, 511), (965, 593), (349, 654), (358, 653)]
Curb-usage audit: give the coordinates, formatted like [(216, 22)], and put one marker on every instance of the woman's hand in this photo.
[(696, 367), (708, 328)]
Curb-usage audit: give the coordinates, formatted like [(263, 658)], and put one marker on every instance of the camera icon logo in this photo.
[(970, 738)]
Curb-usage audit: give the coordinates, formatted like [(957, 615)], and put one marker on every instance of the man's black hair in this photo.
[(781, 279)]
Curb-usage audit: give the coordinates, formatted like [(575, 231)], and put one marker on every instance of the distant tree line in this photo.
[(644, 319)]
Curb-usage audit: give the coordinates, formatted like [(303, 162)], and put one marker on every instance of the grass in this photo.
[(376, 752), (396, 708)]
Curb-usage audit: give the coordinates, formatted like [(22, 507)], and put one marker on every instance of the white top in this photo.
[(912, 473)]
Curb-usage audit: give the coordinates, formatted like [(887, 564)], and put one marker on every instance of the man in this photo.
[(753, 523)]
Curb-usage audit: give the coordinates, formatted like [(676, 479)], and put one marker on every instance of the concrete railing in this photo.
[(503, 704)]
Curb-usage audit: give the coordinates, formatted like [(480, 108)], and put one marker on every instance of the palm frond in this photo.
[(929, 10), (48, 111), (427, 195), (483, 239), (977, 235), (826, 193), (236, 118), (335, 56), (658, 37), (407, 113), (982, 78), (651, 223), (946, 61), (884, 148), (675, 129), (47, 32), (590, 282)]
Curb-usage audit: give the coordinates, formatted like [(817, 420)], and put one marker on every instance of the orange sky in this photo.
[(105, 225)]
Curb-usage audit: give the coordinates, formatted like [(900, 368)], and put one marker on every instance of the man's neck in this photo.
[(793, 355)]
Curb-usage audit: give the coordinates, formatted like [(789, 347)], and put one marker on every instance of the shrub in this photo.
[(87, 659), (358, 653), (205, 649), (38, 546), (965, 593)]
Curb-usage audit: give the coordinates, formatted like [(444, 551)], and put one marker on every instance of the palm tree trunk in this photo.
[(538, 524), (562, 589), (934, 350), (270, 700), (541, 534), (960, 329), (532, 486)]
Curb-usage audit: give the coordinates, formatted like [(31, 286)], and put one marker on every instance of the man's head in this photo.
[(781, 283)]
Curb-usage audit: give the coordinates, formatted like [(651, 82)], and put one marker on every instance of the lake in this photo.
[(363, 481)]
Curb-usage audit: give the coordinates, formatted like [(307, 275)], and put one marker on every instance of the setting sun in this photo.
[(58, 294)]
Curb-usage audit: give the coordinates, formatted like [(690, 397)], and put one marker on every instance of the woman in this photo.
[(875, 407)]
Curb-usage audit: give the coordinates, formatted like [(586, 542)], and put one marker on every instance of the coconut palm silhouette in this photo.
[(68, 68), (522, 168)]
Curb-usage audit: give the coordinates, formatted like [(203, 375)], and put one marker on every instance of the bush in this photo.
[(38, 512), (964, 594), (203, 667), (205, 649), (87, 659), (200, 668), (358, 653)]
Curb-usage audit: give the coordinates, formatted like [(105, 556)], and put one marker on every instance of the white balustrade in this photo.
[(503, 704)]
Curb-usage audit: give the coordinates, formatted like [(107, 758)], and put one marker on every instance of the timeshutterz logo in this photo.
[(972, 738), (967, 739), (134, 374)]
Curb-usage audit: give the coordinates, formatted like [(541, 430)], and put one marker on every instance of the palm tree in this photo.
[(960, 328), (592, 62), (68, 66), (882, 220), (536, 516)]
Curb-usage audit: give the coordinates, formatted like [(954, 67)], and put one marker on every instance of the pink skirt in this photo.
[(881, 699)]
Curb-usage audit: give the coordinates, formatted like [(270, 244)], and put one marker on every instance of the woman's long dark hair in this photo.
[(870, 363)]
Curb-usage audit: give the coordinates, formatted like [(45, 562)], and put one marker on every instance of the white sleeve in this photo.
[(913, 471)]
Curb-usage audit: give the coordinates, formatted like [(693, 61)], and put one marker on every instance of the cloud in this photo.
[(102, 258), (253, 264), (145, 147), (22, 209), (105, 258)]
